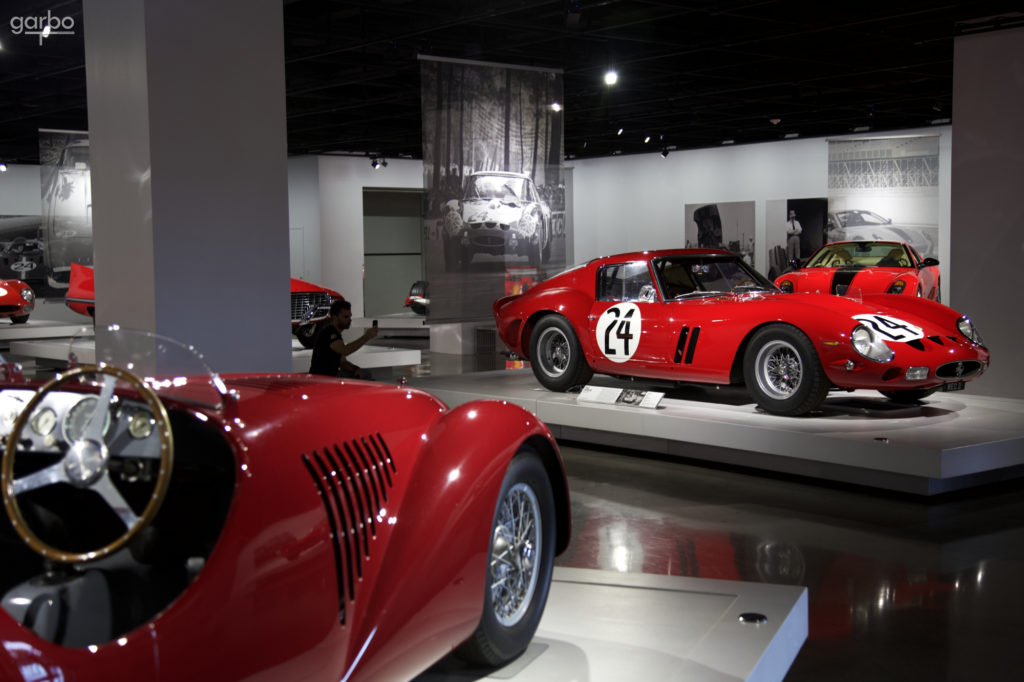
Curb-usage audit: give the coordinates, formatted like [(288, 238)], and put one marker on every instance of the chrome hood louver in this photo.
[(353, 480)]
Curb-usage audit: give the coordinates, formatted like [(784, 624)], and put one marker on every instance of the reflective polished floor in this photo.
[(901, 587)]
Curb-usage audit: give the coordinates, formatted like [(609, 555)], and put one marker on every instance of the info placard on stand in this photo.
[(620, 396)]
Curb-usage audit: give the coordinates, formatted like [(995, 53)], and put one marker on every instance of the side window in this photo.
[(625, 282)]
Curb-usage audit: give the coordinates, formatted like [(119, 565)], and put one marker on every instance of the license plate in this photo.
[(954, 386)]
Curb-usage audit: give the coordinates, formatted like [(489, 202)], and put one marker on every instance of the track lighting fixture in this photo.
[(378, 162)]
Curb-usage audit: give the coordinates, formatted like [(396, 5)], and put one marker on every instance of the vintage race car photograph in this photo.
[(499, 213), (705, 316), (861, 225), (166, 522), (17, 300), (855, 268), (310, 305)]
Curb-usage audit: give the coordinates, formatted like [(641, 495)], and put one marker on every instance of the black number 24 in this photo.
[(621, 330)]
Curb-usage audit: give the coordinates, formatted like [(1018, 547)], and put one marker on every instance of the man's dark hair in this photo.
[(339, 305)]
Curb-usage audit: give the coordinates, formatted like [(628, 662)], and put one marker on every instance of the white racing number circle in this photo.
[(618, 331), (891, 328)]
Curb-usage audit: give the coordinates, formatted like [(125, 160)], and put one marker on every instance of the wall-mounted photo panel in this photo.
[(795, 229), (495, 200), (66, 187), (885, 189), (728, 226)]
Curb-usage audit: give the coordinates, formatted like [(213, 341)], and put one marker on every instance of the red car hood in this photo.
[(869, 279)]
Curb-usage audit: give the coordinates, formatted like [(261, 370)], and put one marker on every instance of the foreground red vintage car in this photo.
[(17, 300), (309, 308), (855, 268), (265, 527), (701, 315)]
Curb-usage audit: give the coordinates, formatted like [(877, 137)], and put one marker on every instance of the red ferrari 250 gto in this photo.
[(264, 527), (700, 315)]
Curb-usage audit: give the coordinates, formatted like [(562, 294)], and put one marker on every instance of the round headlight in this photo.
[(870, 345), (786, 286), (897, 287), (966, 328), (28, 295)]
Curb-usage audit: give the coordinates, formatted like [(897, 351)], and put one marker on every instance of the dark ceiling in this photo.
[(691, 74)]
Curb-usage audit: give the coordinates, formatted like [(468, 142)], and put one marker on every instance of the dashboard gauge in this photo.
[(77, 419), (44, 421), (140, 425)]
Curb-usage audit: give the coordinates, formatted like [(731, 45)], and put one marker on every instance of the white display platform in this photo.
[(949, 441), (367, 356), (603, 626), (39, 329)]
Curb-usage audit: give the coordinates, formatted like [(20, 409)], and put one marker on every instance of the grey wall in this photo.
[(987, 208), (393, 247)]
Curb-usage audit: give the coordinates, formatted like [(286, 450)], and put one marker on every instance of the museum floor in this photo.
[(901, 587)]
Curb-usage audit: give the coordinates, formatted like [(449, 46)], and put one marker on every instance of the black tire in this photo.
[(556, 356), (307, 333), (19, 319), (782, 371), (910, 395), (545, 253), (521, 555)]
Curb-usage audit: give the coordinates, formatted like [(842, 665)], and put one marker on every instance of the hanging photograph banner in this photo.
[(885, 189), (65, 236), (494, 214)]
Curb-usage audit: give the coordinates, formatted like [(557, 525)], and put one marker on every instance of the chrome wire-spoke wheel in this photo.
[(555, 352), (515, 549), (779, 369)]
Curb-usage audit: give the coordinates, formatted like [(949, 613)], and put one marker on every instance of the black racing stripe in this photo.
[(843, 277)]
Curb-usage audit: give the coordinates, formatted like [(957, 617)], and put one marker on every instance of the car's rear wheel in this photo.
[(909, 395), (782, 371), (520, 562), (556, 356), (19, 319)]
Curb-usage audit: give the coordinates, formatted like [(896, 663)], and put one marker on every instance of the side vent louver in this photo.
[(353, 480)]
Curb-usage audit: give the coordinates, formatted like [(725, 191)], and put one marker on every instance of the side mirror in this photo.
[(929, 262), (647, 293)]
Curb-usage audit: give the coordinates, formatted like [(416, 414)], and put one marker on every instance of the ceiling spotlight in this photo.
[(556, 107), (647, 139), (3, 167), (378, 162), (620, 131), (611, 77), (729, 141), (664, 153), (791, 136), (775, 121), (940, 121), (861, 129)]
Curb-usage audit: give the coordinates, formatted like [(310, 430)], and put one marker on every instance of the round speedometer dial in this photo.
[(44, 421), (77, 419)]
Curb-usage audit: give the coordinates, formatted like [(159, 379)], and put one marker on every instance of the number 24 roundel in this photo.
[(618, 331)]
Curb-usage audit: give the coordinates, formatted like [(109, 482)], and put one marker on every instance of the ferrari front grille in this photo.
[(959, 370), (353, 480), (320, 301)]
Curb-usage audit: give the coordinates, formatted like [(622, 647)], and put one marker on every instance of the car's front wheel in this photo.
[(520, 562), (556, 356), (19, 319), (782, 371), (307, 333)]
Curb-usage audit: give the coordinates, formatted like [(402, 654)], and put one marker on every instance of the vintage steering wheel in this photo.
[(85, 464)]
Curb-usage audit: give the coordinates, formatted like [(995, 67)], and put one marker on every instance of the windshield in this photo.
[(500, 187), (864, 254), (691, 276)]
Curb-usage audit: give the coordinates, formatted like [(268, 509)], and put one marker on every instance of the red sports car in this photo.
[(855, 268), (701, 315), (17, 300), (309, 310), (265, 527)]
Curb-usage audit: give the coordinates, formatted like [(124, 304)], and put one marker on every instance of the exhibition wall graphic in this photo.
[(728, 225), (494, 208), (66, 231), (885, 188), (795, 228)]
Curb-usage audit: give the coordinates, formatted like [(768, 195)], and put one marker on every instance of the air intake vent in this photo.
[(959, 370), (353, 480)]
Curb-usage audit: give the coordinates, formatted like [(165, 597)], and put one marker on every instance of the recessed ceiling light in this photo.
[(611, 77)]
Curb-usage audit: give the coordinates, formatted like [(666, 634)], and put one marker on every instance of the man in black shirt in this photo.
[(330, 352)]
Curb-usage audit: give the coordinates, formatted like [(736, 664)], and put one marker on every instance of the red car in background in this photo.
[(17, 300), (265, 526), (309, 308), (702, 315), (865, 267)]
